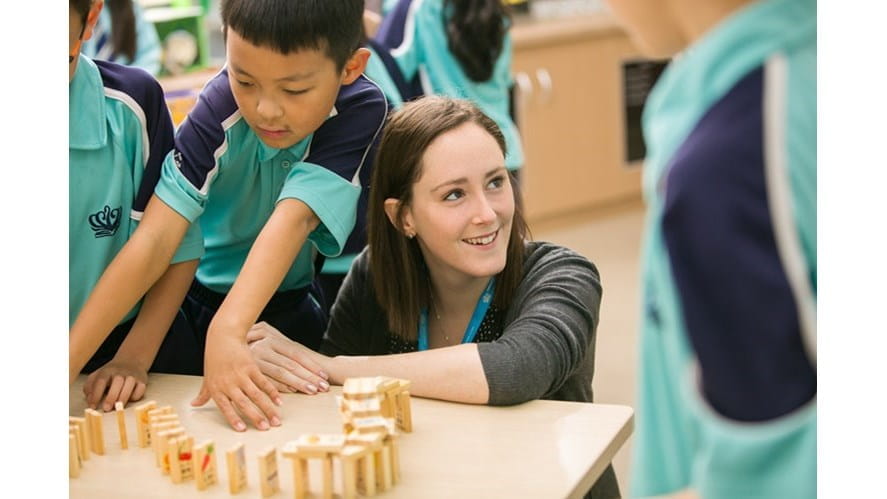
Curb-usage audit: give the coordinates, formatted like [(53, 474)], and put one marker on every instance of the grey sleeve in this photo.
[(344, 335), (549, 330)]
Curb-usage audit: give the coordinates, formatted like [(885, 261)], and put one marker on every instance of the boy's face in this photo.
[(284, 98), (652, 26)]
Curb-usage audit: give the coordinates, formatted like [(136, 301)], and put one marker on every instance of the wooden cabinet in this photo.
[(570, 111)]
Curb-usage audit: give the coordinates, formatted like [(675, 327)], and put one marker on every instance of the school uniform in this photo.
[(727, 399), (223, 175), (119, 133), (148, 53), (382, 69), (414, 32)]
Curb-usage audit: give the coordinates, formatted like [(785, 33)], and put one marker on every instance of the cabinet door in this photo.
[(572, 125)]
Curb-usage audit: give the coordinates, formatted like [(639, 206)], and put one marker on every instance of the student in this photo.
[(272, 160), (727, 400), (119, 133), (123, 35), (449, 293), (458, 48)]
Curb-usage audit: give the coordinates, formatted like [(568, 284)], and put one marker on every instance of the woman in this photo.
[(449, 294)]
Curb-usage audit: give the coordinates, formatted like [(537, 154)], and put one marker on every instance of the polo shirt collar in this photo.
[(294, 152), (86, 107)]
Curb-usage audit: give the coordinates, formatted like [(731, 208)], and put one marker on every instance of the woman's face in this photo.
[(462, 206)]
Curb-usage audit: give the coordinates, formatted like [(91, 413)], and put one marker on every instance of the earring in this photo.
[(410, 235)]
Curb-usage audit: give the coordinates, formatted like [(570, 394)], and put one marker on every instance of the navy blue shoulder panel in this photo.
[(738, 307), (408, 90), (392, 31), (145, 93), (203, 131), (346, 144)]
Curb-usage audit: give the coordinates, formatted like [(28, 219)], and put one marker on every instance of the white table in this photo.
[(540, 449)]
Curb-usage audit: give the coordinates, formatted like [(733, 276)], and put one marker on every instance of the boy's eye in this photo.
[(454, 195), (296, 92)]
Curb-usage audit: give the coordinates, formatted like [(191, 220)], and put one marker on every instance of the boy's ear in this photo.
[(92, 18), (355, 65)]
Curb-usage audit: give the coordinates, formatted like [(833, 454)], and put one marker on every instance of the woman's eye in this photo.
[(496, 182), (244, 83), (453, 195)]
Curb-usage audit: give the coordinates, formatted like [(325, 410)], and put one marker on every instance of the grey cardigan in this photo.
[(546, 350)]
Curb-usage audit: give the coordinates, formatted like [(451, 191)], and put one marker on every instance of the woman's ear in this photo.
[(392, 207)]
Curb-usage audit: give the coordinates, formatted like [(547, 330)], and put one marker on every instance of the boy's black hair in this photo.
[(291, 25), (81, 7)]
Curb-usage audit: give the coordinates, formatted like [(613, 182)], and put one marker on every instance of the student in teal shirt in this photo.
[(123, 35), (119, 133), (727, 399), (456, 48), (270, 162)]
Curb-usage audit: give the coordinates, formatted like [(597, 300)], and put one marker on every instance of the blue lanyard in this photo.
[(479, 312)]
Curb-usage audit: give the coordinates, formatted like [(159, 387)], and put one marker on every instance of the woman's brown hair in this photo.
[(400, 277)]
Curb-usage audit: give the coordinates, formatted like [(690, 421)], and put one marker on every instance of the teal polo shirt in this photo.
[(119, 131), (727, 381), (223, 175)]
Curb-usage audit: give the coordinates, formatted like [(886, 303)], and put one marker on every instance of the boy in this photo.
[(274, 155), (727, 401), (119, 133)]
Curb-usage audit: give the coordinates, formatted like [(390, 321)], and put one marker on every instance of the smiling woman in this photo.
[(449, 292)]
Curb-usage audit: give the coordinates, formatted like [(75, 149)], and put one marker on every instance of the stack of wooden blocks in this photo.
[(371, 409)]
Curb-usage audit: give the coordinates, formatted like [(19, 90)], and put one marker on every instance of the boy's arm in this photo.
[(133, 271), (231, 376), (128, 371)]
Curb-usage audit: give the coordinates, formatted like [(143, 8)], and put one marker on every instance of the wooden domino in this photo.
[(180, 462), (166, 440), (269, 479), (236, 460), (82, 436), (121, 424), (96, 434), (404, 413), (73, 456), (143, 433), (300, 469), (204, 464)]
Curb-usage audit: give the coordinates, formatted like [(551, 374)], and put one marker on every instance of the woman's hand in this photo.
[(291, 366)]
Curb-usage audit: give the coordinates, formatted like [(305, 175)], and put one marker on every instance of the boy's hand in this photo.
[(127, 379), (233, 380), (291, 366)]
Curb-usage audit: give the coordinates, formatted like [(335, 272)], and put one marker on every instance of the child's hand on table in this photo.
[(124, 380), (233, 380)]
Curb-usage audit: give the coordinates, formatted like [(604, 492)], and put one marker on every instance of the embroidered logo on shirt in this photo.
[(105, 222)]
